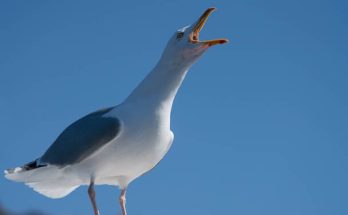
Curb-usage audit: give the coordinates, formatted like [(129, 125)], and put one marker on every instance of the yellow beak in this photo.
[(194, 36)]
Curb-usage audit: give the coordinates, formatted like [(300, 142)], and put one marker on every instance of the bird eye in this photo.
[(179, 35)]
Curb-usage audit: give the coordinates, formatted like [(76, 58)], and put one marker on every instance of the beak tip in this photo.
[(211, 9)]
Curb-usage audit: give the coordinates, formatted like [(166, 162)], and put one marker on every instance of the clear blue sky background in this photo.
[(261, 124)]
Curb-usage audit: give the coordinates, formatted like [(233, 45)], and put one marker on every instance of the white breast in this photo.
[(144, 139)]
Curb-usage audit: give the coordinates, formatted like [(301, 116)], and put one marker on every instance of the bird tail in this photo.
[(47, 180)]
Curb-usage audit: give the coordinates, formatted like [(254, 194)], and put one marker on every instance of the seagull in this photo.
[(114, 146)]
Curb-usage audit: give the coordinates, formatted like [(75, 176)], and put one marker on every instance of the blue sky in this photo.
[(260, 124)]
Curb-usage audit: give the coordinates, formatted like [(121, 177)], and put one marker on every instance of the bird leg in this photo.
[(123, 201), (91, 193)]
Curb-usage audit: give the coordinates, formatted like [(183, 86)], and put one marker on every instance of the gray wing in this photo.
[(82, 138)]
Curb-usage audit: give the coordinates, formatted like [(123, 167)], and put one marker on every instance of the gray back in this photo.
[(82, 138)]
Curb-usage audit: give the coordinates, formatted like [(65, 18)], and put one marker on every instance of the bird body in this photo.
[(144, 137), (116, 145)]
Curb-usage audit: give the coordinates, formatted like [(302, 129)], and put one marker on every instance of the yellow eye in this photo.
[(179, 35)]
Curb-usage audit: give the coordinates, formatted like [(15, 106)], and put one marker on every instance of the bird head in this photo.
[(185, 47)]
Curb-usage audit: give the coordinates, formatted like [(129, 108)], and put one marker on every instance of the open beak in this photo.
[(194, 36)]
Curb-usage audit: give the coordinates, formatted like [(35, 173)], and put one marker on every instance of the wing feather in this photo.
[(82, 138)]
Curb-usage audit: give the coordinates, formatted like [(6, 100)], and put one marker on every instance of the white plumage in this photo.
[(114, 146)]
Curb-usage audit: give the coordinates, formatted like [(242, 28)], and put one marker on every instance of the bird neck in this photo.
[(160, 85)]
